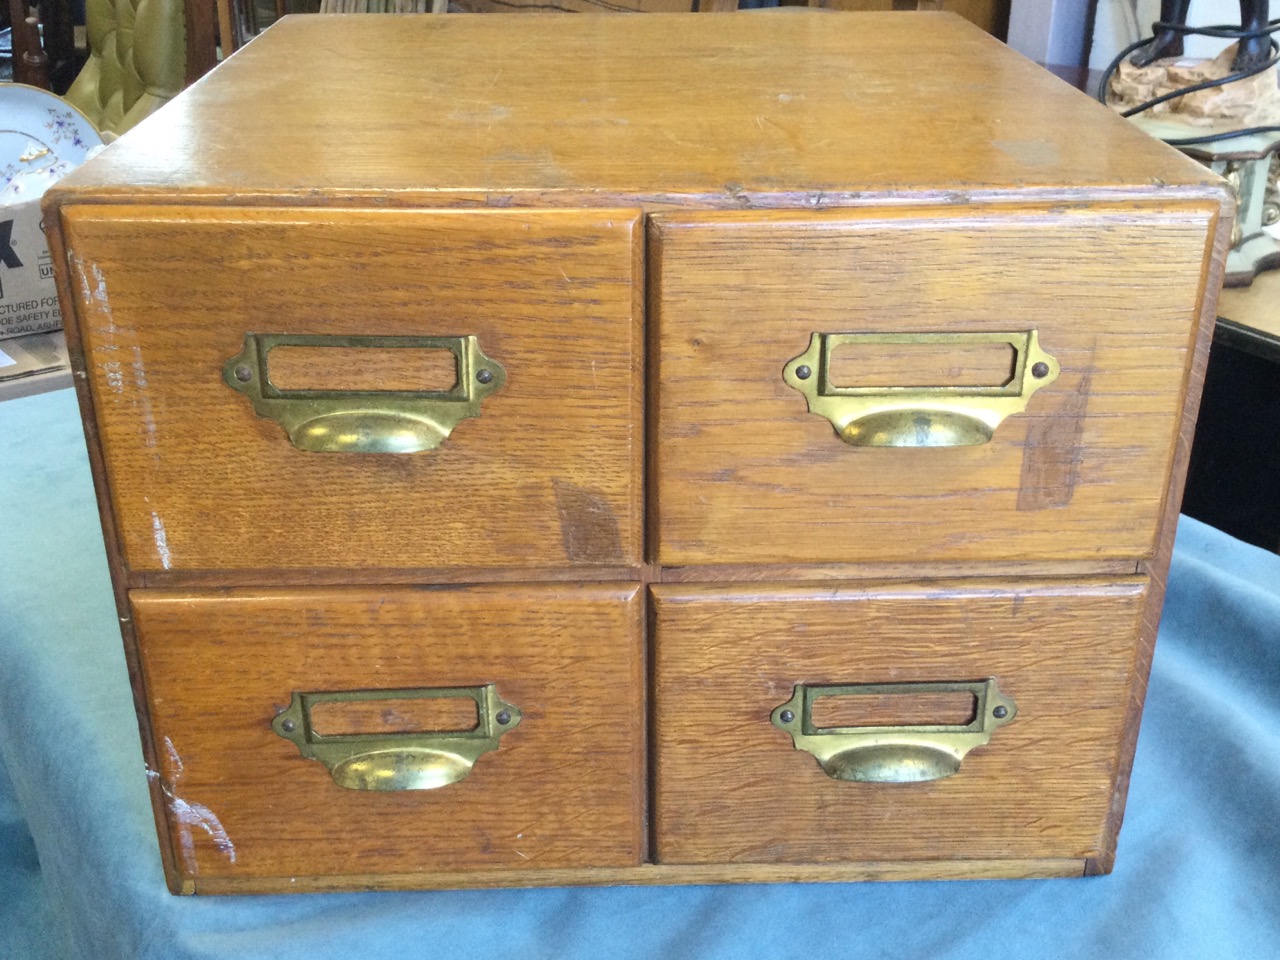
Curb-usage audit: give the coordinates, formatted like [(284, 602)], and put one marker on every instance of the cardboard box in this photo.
[(28, 297), (32, 364)]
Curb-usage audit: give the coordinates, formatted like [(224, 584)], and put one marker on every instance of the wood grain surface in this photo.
[(951, 365), (1256, 306), (730, 788), (547, 474), (790, 107), (650, 873), (564, 789), (1157, 568), (924, 569), (742, 472), (368, 369), (394, 715)]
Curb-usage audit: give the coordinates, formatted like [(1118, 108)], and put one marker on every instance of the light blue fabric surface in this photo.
[(1198, 872)]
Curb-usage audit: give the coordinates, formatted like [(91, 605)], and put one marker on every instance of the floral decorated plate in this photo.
[(39, 130)]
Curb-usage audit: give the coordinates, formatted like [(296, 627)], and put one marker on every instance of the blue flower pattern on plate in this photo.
[(62, 123)]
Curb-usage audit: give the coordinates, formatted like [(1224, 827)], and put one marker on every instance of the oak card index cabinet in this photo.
[(636, 449)]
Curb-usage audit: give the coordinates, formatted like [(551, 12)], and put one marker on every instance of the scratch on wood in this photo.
[(162, 541), (1030, 153), (95, 292), (587, 525), (143, 400), (189, 814), (1053, 453), (738, 193)]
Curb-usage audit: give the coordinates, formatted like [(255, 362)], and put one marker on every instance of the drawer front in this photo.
[(942, 305), (271, 769), (731, 787), (373, 330)]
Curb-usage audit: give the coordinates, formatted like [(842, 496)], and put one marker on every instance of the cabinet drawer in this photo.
[(918, 324), (354, 333), (731, 787), (523, 705)]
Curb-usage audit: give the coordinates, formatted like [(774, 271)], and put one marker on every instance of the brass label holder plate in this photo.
[(907, 416), (893, 754), (364, 421), (398, 761)]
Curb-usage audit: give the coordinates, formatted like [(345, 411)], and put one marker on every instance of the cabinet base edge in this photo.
[(647, 874)]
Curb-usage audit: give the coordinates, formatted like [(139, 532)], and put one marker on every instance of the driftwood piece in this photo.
[(1254, 101)]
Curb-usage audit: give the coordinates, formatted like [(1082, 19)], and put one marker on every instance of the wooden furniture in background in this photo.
[(639, 538), (991, 15), (237, 25), (30, 62), (49, 63), (202, 40), (1256, 307)]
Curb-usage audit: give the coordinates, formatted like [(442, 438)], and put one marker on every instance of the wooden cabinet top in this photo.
[(779, 108)]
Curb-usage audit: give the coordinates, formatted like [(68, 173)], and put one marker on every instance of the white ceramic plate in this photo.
[(39, 130)]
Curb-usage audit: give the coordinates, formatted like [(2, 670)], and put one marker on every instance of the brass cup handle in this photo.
[(398, 761), (903, 754), (940, 416), (364, 421)]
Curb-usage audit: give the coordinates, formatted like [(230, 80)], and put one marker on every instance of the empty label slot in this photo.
[(920, 364), (412, 715), (361, 369), (952, 708)]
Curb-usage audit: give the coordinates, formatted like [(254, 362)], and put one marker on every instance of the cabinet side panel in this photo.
[(1219, 242), (70, 305)]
